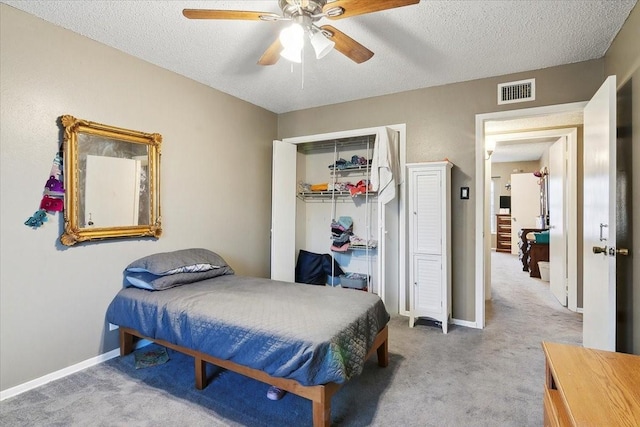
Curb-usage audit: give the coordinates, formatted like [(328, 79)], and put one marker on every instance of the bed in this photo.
[(305, 339)]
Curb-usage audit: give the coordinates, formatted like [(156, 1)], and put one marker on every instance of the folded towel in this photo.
[(320, 187)]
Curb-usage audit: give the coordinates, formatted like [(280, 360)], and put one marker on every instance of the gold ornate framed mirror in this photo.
[(112, 182)]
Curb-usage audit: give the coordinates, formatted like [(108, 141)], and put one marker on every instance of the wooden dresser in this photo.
[(503, 233), (537, 252), (524, 246), (586, 387)]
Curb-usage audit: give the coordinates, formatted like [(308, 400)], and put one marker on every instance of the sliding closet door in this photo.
[(283, 211)]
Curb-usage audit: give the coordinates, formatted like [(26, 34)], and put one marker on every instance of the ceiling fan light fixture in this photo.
[(305, 13), (292, 37), (321, 44), (293, 55), (292, 40)]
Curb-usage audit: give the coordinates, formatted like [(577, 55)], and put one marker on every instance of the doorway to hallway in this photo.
[(524, 126)]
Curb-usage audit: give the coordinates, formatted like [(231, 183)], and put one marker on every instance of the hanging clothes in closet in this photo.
[(385, 167)]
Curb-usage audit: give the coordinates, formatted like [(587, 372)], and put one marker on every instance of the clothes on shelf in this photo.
[(340, 186), (341, 230), (356, 162), (304, 187), (319, 187), (361, 187), (360, 243)]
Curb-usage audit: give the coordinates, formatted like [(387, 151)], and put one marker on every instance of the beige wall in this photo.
[(441, 123), (623, 60), (501, 175), (216, 190)]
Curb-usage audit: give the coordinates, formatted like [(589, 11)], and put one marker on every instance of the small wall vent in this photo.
[(520, 91)]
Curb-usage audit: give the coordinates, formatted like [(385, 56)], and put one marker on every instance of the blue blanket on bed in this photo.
[(312, 334)]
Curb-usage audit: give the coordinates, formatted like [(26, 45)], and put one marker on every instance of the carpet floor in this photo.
[(469, 377)]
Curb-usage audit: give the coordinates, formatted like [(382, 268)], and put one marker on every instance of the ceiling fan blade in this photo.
[(348, 46), (360, 7), (272, 54), (230, 14)]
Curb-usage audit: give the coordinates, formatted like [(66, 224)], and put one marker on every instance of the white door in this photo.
[(425, 244), (427, 213), (557, 228), (283, 211), (428, 298), (429, 231), (599, 226), (525, 205), (388, 253)]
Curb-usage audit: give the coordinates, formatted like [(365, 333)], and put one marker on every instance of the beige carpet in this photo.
[(492, 377)]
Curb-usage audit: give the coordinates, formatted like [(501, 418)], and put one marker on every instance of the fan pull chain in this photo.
[(301, 70)]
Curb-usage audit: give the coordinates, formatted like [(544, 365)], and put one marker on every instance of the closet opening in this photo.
[(325, 200)]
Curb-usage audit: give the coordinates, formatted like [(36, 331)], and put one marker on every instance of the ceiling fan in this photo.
[(304, 14)]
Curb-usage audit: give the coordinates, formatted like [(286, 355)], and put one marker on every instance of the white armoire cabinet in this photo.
[(429, 190)]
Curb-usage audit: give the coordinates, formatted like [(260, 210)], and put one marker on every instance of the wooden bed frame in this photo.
[(320, 395)]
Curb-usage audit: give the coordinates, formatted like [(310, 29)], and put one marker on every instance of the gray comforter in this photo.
[(313, 334)]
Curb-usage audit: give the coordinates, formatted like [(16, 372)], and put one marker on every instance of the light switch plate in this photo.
[(464, 192)]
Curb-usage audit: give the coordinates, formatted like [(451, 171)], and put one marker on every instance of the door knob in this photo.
[(600, 250), (618, 251)]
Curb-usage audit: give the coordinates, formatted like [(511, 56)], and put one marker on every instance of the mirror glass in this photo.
[(111, 182)]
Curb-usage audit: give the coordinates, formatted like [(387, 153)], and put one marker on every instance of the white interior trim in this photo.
[(570, 199), (340, 134), (572, 226), (483, 230)]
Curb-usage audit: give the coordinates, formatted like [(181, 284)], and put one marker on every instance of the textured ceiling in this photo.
[(516, 140), (428, 44), (522, 150)]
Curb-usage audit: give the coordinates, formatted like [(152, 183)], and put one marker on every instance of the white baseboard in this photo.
[(464, 323), (30, 385), (458, 322)]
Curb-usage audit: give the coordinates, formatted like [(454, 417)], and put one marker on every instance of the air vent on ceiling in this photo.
[(520, 91)]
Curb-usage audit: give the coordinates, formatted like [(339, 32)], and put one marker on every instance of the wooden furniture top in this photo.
[(599, 388)]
